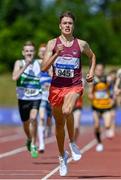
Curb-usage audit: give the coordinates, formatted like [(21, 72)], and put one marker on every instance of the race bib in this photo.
[(101, 95), (31, 92), (67, 73)]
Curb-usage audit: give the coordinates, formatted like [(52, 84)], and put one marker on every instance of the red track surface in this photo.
[(93, 165)]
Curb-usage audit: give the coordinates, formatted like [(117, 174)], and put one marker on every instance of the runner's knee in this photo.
[(97, 126), (67, 110), (97, 129), (32, 118), (107, 126)]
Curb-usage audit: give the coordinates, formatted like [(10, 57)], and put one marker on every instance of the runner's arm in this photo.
[(117, 90), (49, 57), (90, 91), (17, 71), (50, 71), (89, 53)]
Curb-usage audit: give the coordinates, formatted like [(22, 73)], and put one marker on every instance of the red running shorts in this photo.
[(56, 95)]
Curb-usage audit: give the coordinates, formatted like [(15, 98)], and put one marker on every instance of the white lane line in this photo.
[(21, 170), (13, 152), (21, 149), (22, 174), (86, 148)]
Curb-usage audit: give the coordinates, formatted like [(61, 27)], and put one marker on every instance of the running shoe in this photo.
[(110, 133), (28, 144), (99, 147), (41, 148), (34, 151), (63, 169), (75, 151)]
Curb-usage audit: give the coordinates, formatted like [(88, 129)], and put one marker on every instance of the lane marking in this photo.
[(22, 149), (38, 173), (19, 170), (23, 174), (13, 152), (86, 148)]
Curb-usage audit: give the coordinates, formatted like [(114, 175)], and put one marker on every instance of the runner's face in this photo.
[(112, 76), (99, 70), (66, 25), (28, 51), (41, 52)]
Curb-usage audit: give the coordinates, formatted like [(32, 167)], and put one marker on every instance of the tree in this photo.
[(97, 22)]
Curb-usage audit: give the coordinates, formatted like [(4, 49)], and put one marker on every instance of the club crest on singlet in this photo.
[(75, 52)]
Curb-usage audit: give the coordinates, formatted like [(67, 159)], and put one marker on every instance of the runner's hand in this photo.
[(59, 48), (89, 78), (29, 59)]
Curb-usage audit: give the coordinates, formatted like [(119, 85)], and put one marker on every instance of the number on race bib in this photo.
[(101, 94), (31, 92), (68, 73)]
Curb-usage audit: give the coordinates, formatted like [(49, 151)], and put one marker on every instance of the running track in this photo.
[(16, 162)]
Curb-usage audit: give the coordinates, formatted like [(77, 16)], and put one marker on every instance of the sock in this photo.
[(41, 139), (97, 134)]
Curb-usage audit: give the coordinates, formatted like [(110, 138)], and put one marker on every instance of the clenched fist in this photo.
[(59, 48), (89, 78)]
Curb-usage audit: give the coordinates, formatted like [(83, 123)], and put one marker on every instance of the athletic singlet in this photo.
[(101, 91), (67, 66), (45, 81), (28, 84)]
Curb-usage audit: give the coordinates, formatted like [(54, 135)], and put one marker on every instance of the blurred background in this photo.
[(97, 21)]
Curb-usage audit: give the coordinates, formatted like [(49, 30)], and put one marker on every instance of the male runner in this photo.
[(102, 103), (64, 55), (26, 72), (45, 115)]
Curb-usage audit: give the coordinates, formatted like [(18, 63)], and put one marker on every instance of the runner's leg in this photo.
[(67, 109), (41, 128), (26, 125), (96, 117), (77, 116), (33, 125), (60, 132), (107, 122)]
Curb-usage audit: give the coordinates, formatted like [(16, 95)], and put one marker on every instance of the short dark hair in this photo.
[(113, 71), (67, 14), (100, 64)]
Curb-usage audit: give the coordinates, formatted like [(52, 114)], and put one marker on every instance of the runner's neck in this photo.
[(67, 41)]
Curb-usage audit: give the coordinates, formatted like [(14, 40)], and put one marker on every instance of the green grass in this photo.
[(7, 91)]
